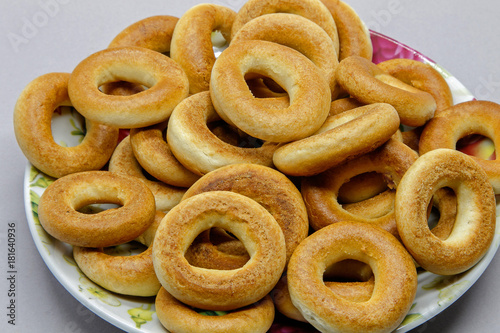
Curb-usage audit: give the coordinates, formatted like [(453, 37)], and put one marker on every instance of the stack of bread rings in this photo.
[(285, 174)]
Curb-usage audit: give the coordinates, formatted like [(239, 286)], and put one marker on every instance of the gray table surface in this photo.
[(462, 36)]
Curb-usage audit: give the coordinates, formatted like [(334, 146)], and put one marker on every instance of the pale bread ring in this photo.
[(154, 33), (192, 44), (320, 191), (354, 37), (124, 161), (352, 291), (300, 34), (32, 127), (59, 204), (128, 275), (270, 188), (180, 318), (368, 83), (219, 289), (313, 10), (154, 155), (200, 150), (474, 226), (444, 131), (342, 137), (421, 76), (393, 268), (166, 81), (307, 88)]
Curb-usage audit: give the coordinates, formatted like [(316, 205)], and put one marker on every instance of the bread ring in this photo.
[(320, 191), (351, 291), (268, 187), (154, 33), (308, 90), (445, 201), (128, 275), (32, 127), (177, 317), (354, 37), (192, 44), (362, 187), (123, 161), (197, 148), (313, 10), (154, 155), (59, 204), (166, 80), (369, 84), (474, 226), (393, 268), (341, 138), (343, 104), (421, 76), (444, 131), (219, 289), (300, 34)]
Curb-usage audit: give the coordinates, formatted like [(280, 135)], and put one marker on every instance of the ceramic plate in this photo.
[(135, 314)]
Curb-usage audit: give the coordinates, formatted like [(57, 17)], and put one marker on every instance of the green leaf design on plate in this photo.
[(35, 199), (212, 313), (410, 318), (448, 294), (441, 282), (140, 315), (95, 292), (78, 131)]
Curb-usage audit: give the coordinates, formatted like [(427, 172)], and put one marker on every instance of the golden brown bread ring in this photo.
[(124, 161), (341, 138), (270, 188), (352, 291), (154, 33), (32, 127), (154, 155), (192, 44), (368, 83), (200, 150), (421, 76), (444, 131), (343, 104), (320, 191), (354, 37), (308, 90), (474, 226), (219, 289), (132, 275), (61, 200), (393, 268), (313, 10), (300, 34), (177, 317), (166, 81)]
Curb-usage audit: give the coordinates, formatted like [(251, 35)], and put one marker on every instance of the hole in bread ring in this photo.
[(320, 192), (219, 289), (474, 226), (59, 204), (368, 83), (166, 81), (199, 149), (178, 317), (32, 127), (446, 130), (393, 268)]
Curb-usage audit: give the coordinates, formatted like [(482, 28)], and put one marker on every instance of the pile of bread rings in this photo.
[(289, 174)]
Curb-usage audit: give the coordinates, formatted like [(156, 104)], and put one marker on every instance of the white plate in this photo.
[(135, 314)]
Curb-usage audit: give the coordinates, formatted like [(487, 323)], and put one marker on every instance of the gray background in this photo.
[(462, 36)]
